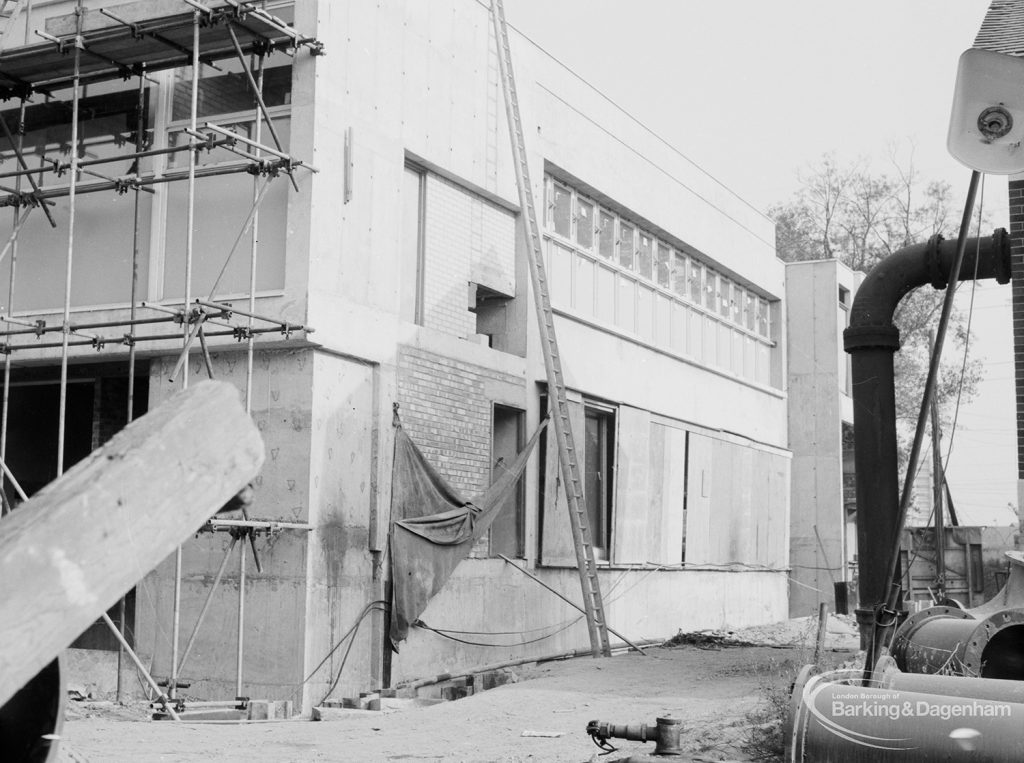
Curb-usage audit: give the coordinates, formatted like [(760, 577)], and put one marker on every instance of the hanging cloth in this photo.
[(433, 528)]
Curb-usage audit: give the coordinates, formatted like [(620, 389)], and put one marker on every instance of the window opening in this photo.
[(507, 439), (599, 451), (412, 258)]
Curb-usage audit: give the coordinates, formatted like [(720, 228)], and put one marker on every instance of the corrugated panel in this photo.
[(1002, 31)]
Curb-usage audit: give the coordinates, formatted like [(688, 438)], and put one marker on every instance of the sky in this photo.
[(755, 92)]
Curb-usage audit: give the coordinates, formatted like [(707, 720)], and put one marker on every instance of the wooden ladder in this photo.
[(592, 604), (9, 10)]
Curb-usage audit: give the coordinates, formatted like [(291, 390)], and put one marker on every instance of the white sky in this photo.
[(754, 91)]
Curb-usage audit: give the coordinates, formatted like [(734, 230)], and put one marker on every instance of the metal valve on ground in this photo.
[(664, 734)]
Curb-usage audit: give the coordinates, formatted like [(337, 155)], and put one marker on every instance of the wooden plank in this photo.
[(630, 543), (670, 529), (79, 544), (698, 499)]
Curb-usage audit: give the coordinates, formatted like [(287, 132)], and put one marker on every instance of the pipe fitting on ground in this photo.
[(952, 641), (664, 734), (986, 642), (833, 718)]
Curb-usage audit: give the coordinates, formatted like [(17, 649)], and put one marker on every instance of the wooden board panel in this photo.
[(743, 518), (630, 542), (699, 473), (666, 528)]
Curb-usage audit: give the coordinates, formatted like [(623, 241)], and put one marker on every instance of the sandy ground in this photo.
[(711, 688)]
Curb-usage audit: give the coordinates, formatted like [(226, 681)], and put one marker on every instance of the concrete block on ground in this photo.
[(365, 698), (494, 678), (451, 693), (336, 713), (392, 704), (265, 710)]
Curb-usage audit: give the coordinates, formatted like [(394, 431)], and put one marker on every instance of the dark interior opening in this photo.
[(1004, 655), (96, 409)]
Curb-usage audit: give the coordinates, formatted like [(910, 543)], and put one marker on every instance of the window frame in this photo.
[(703, 288), (608, 420), (418, 281), (163, 125)]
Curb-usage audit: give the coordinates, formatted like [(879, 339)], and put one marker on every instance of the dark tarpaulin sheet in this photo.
[(433, 528)]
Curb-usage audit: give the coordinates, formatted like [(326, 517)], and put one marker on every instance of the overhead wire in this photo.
[(967, 336)]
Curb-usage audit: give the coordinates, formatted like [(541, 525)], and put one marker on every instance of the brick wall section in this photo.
[(445, 410), (461, 230), (1017, 270)]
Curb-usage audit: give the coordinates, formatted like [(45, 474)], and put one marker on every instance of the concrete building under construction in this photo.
[(345, 167)]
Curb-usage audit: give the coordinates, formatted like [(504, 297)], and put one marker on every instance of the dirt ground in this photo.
[(711, 688)]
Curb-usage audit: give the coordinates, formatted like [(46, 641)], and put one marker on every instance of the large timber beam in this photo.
[(72, 550)]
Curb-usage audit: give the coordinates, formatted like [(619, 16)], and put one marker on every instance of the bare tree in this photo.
[(850, 213)]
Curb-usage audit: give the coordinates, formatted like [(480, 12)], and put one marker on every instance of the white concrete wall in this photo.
[(816, 379), (276, 599), (487, 596), (418, 80)]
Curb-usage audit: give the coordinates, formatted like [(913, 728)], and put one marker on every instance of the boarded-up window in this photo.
[(650, 474), (737, 506)]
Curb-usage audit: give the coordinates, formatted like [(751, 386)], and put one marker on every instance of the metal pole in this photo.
[(938, 479), (10, 305), (257, 89), (206, 605), (190, 219), (250, 223), (62, 411), (18, 489), (140, 131), (142, 668), (241, 618), (254, 251)]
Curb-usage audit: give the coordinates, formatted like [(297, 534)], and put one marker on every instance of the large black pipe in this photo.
[(871, 340)]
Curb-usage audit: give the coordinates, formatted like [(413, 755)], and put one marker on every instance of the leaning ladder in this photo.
[(9, 9), (592, 604)]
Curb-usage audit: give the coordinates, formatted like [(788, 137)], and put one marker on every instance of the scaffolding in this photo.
[(132, 42)]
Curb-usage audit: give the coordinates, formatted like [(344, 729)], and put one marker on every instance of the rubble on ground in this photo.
[(841, 634)]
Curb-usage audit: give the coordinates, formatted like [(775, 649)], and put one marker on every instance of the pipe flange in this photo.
[(982, 636), (932, 255), (861, 337), (1001, 244), (904, 635)]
